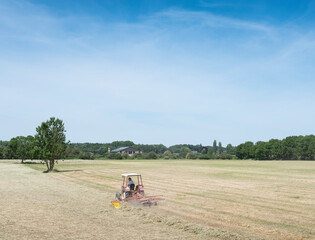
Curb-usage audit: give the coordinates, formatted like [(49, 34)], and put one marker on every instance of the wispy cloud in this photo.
[(212, 20)]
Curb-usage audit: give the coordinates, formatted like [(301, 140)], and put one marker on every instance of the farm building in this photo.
[(128, 150)]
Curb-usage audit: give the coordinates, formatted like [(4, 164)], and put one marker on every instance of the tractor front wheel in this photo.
[(118, 196)]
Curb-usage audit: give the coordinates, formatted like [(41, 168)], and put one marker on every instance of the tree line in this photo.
[(49, 144), (149, 151), (27, 148), (289, 148)]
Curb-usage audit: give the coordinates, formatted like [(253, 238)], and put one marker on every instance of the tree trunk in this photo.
[(22, 160), (52, 163), (46, 161)]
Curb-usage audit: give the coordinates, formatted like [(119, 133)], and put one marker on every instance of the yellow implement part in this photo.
[(116, 204)]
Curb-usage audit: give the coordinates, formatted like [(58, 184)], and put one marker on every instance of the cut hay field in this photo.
[(206, 199)]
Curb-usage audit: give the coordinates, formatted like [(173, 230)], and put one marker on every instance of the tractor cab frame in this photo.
[(126, 192)]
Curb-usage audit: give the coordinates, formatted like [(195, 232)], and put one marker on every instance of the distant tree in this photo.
[(239, 151), (102, 150), (51, 141), (306, 147), (151, 155), (191, 155), (12, 148), (146, 148), (289, 148), (184, 151), (177, 148), (4, 143), (262, 152), (204, 151), (118, 144), (275, 149), (21, 148), (86, 155), (245, 150), (229, 149), (167, 154), (2, 152), (137, 156), (125, 156), (311, 148), (210, 152), (203, 156), (214, 147), (220, 150), (26, 148), (73, 153)]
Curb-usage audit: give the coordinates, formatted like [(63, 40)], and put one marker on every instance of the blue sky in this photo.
[(158, 71)]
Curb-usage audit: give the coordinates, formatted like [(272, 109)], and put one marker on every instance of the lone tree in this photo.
[(51, 141)]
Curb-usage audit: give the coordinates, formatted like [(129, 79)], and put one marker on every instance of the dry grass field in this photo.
[(205, 200)]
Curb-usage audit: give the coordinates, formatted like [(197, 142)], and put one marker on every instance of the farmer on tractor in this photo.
[(131, 184)]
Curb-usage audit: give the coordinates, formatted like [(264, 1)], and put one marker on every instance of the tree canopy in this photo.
[(290, 148), (51, 141)]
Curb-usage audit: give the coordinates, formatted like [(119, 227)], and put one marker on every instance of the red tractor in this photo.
[(132, 191)]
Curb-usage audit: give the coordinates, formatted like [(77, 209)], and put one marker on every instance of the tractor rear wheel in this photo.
[(127, 194)]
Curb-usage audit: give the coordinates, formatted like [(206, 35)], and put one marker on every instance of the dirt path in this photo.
[(34, 205)]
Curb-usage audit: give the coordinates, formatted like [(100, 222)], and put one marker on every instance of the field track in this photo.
[(205, 200)]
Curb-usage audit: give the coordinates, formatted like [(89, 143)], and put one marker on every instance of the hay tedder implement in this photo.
[(134, 193)]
